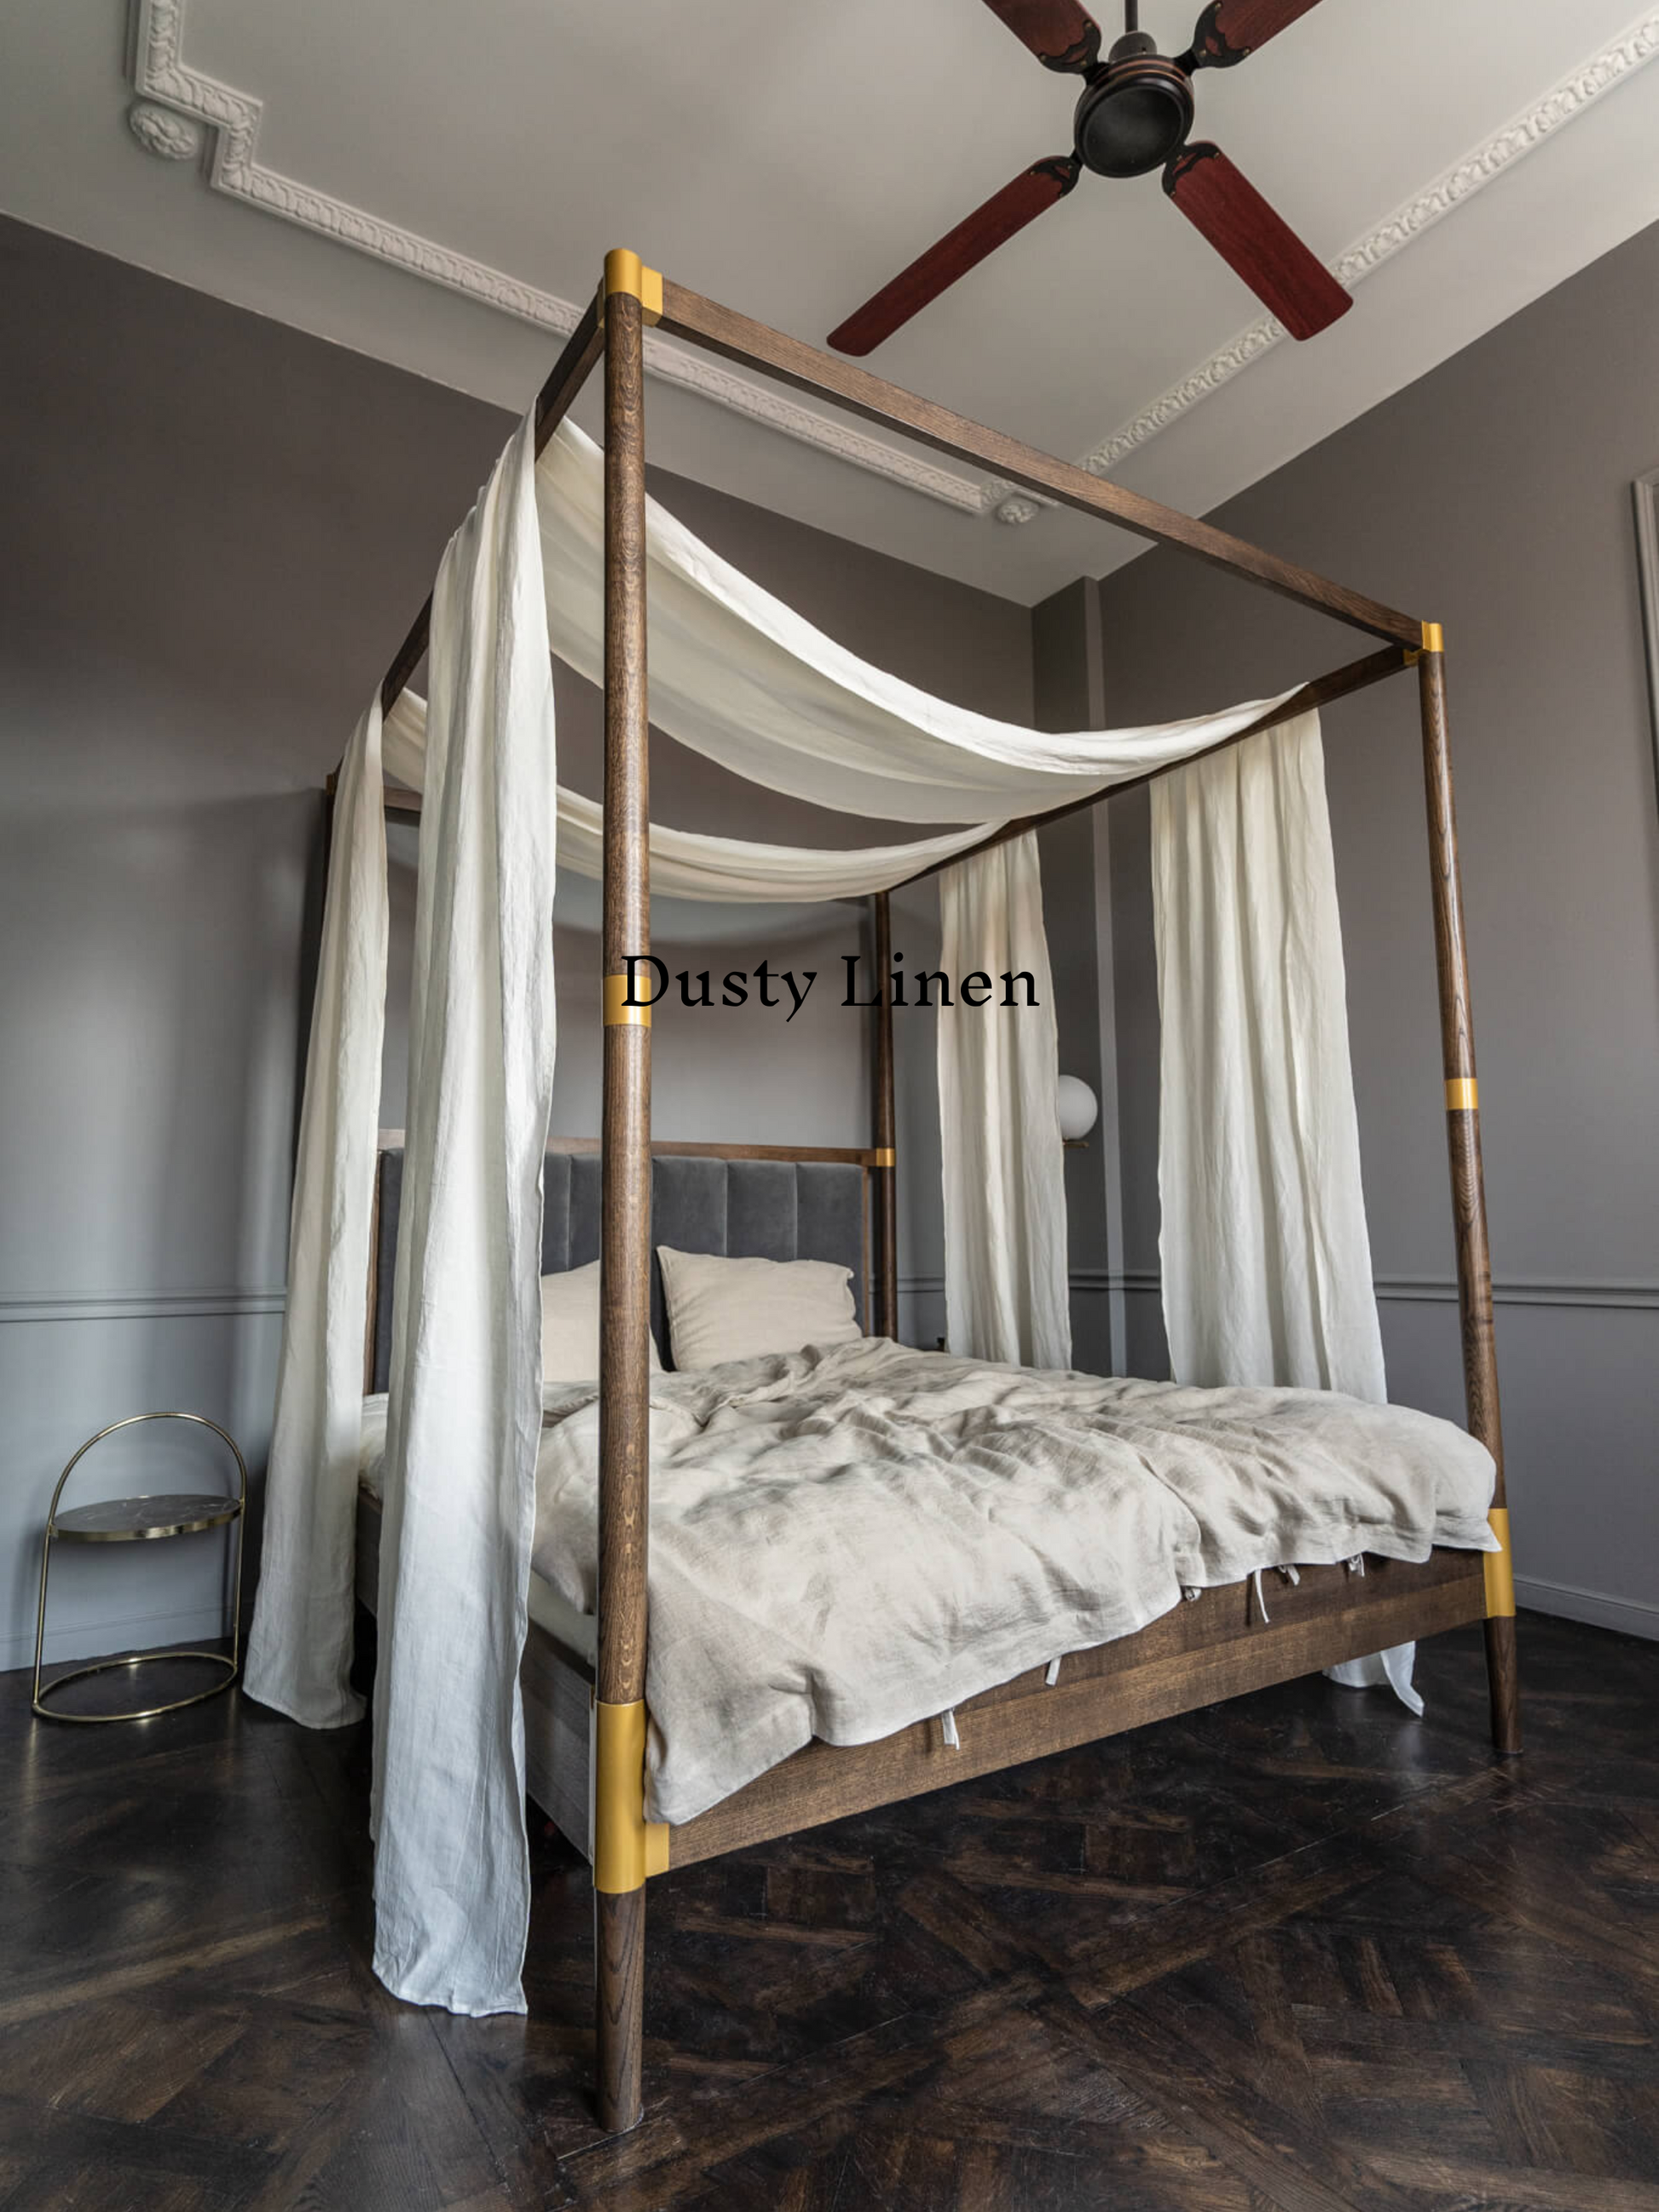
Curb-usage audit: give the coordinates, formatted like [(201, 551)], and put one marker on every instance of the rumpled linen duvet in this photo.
[(848, 1539)]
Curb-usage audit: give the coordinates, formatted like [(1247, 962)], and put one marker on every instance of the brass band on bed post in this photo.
[(885, 1169), (1468, 1182), (620, 1836)]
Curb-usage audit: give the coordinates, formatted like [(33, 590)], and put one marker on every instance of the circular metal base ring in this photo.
[(146, 1712)]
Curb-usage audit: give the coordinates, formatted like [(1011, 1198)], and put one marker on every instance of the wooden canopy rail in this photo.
[(1175, 1664)]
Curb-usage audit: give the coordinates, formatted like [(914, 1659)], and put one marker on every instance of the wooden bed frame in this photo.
[(1200, 1653)]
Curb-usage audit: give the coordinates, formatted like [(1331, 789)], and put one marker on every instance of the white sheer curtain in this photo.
[(1265, 1257), (1007, 1295), (452, 1888), (1265, 1250), (299, 1648)]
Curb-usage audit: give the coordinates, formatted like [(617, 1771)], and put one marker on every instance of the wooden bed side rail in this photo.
[(1200, 1654)]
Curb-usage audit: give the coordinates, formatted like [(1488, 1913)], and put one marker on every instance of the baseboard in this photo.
[(1625, 1614), (138, 1631)]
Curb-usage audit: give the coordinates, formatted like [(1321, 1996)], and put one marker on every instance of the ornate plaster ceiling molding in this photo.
[(176, 101), (177, 104), (1636, 45), (170, 138)]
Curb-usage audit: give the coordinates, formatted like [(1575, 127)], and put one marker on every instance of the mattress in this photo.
[(550, 1608)]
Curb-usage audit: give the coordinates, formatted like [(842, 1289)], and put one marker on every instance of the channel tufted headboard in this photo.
[(747, 1201)]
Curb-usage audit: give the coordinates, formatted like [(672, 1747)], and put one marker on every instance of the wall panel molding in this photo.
[(1431, 1290), (1522, 1290), (165, 81), (143, 1305), (206, 108), (172, 1305), (1569, 97)]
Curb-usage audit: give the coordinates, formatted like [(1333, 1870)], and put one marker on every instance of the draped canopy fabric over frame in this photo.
[(739, 676)]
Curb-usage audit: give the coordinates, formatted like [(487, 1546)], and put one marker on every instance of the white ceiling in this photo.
[(787, 161)]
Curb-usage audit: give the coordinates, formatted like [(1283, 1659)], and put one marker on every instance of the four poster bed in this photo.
[(578, 1738)]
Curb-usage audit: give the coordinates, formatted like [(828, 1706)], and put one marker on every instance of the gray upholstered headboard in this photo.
[(743, 1202)]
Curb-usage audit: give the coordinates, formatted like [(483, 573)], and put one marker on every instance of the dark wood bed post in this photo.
[(1468, 1182), (624, 1849), (886, 1160)]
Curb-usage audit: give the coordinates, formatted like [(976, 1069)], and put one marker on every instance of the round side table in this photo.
[(138, 1521)]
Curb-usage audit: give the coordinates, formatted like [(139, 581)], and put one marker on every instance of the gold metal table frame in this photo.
[(135, 1521)]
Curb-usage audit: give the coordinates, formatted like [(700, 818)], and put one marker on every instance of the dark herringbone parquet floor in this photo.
[(1299, 1952)]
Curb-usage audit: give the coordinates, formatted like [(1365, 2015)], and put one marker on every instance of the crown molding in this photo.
[(1573, 95), (168, 88), (207, 110)]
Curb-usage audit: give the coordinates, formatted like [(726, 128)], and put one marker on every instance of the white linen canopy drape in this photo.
[(1007, 1288), (452, 1876), (298, 1647), (735, 675), (744, 679), (1265, 1258), (685, 865)]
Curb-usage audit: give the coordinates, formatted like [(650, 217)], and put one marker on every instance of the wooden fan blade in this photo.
[(960, 250), (1284, 275), (1062, 36), (1231, 31)]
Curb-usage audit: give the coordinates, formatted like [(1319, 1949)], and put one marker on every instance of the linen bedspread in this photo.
[(848, 1539)]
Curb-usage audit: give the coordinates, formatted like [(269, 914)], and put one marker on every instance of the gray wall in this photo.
[(1493, 496), (211, 528), (214, 529)]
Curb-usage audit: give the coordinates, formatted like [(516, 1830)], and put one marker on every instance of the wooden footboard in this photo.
[(1216, 1647)]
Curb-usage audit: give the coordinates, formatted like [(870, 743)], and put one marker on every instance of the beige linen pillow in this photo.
[(570, 1326), (720, 1309)]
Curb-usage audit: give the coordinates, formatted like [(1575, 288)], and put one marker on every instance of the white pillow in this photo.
[(722, 1308), (570, 1326)]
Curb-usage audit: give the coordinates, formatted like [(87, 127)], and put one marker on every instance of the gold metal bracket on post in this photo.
[(884, 1157), (627, 1847), (626, 272), (617, 1011), (1434, 641), (1463, 1094), (1500, 1569)]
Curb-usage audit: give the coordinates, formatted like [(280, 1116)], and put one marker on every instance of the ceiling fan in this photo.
[(1135, 115)]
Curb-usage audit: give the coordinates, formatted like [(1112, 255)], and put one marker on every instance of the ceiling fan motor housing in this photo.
[(1135, 111)]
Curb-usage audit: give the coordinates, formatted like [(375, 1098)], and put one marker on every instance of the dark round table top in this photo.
[(132, 1520)]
